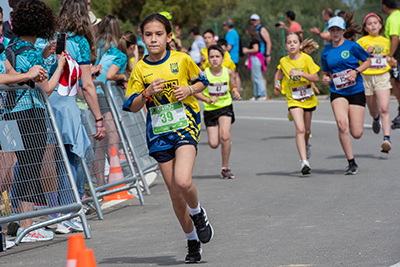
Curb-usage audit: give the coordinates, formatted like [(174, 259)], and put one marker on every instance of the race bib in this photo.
[(302, 93), (168, 117), (218, 89), (378, 62), (340, 80)]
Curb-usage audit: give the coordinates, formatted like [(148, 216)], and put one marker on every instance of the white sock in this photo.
[(192, 235), (195, 211)]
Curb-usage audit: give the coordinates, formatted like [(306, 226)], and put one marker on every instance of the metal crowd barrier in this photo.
[(134, 128), (35, 174), (96, 166)]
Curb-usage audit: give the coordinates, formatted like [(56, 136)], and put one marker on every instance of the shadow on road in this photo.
[(162, 261), (366, 156)]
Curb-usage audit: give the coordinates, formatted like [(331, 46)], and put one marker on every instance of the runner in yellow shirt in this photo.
[(209, 39), (297, 72)]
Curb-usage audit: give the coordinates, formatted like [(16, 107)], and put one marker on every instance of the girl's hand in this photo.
[(61, 60), (155, 87), (351, 76), (392, 61), (245, 50), (49, 49), (277, 88), (136, 52), (236, 94), (181, 92), (295, 73), (370, 49), (326, 79), (101, 131), (213, 100), (37, 73), (315, 88), (96, 70)]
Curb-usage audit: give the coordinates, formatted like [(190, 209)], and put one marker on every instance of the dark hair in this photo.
[(175, 44), (341, 13), (33, 18), (382, 30), (216, 47), (352, 28), (228, 23), (157, 17), (73, 17), (222, 42), (195, 30), (209, 31), (252, 32), (1, 10), (13, 3), (140, 49), (329, 12), (291, 15), (391, 4)]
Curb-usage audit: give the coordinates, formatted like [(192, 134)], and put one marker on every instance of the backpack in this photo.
[(11, 98)]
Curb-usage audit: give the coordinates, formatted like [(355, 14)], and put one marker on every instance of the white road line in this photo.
[(396, 265), (285, 119)]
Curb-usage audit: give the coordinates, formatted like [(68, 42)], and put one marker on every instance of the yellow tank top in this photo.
[(218, 87)]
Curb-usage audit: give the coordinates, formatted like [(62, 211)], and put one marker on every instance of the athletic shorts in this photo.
[(357, 99), (378, 82), (305, 109), (167, 155), (211, 117)]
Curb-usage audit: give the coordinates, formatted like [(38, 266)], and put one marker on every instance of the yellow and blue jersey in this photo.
[(178, 69)]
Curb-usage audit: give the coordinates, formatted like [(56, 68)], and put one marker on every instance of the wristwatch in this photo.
[(357, 72)]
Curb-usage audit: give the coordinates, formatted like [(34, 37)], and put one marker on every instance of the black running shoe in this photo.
[(226, 174), (204, 230), (193, 252), (352, 169), (376, 125)]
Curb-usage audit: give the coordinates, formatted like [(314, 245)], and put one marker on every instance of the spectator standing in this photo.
[(327, 14), (265, 42), (197, 45), (232, 37), (294, 26), (392, 32)]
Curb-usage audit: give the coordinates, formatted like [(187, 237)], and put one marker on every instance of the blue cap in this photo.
[(337, 22)]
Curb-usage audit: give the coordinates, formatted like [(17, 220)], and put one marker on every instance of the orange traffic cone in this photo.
[(86, 258), (75, 245), (116, 175)]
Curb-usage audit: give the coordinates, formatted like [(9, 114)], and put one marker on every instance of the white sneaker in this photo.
[(252, 99), (36, 235), (63, 228), (10, 244), (262, 98), (305, 167)]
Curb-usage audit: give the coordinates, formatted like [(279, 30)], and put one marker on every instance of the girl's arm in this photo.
[(112, 74), (52, 83), (277, 79), (136, 55), (203, 98), (353, 74), (154, 87), (310, 77), (32, 74), (232, 84), (252, 50), (182, 92)]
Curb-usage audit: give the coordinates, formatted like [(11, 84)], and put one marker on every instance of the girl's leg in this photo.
[(372, 105), (225, 123), (356, 120), (340, 107), (298, 118), (179, 203), (307, 125), (383, 97), (213, 136)]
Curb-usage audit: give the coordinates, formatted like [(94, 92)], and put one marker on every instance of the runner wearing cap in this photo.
[(342, 70)]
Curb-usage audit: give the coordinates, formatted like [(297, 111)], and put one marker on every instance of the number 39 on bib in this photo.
[(168, 117)]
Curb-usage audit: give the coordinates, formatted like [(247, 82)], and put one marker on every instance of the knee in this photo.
[(300, 131), (356, 133), (225, 137), (343, 126), (213, 144), (184, 185), (384, 110)]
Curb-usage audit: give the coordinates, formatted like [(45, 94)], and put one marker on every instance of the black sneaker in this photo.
[(204, 230), (376, 125), (193, 252), (12, 228), (352, 169), (226, 174)]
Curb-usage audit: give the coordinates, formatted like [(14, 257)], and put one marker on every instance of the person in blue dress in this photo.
[(114, 62), (342, 71)]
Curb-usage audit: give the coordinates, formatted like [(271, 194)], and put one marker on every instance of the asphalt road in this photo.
[(269, 215)]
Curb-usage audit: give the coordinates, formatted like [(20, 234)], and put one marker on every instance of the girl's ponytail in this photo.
[(309, 46), (352, 28), (127, 39)]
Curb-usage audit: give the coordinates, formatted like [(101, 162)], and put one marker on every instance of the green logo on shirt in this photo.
[(345, 54), (174, 68)]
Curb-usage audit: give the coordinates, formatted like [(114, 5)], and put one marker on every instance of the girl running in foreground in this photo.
[(218, 110), (376, 78), (341, 69), (161, 81), (297, 72)]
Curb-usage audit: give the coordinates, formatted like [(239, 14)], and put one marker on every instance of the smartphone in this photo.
[(96, 74), (277, 24), (61, 40)]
